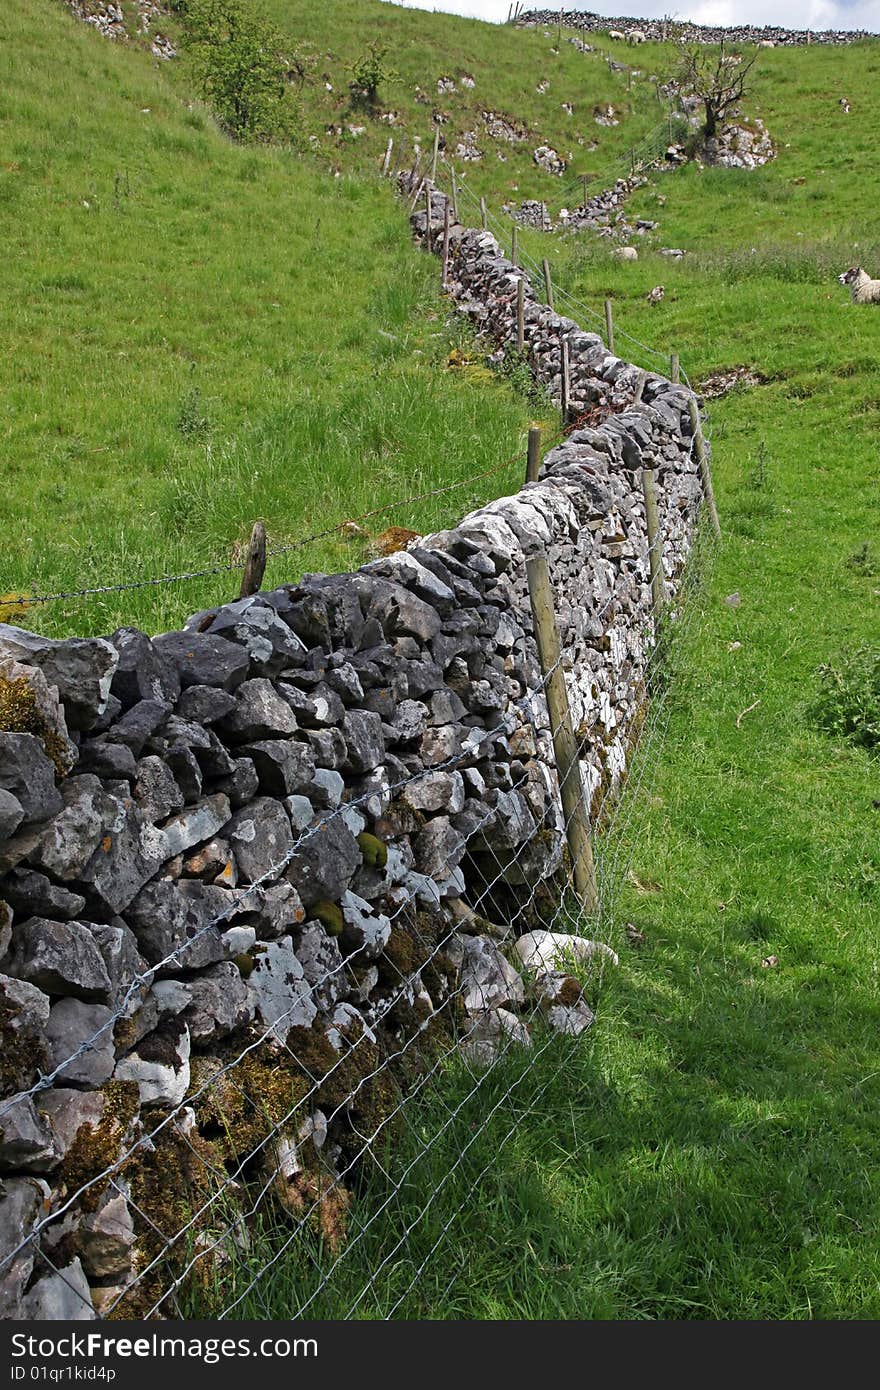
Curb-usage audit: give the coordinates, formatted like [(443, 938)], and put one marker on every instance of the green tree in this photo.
[(242, 68), (717, 78)]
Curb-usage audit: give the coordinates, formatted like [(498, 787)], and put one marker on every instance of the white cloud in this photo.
[(800, 14)]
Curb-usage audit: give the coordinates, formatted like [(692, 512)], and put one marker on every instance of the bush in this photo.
[(368, 72), (242, 68), (848, 703)]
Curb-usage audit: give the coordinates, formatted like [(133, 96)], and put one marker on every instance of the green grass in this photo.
[(199, 334), (710, 1150)]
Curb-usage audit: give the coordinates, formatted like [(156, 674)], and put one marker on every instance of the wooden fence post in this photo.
[(386, 162), (609, 325), (436, 152), (416, 196), (577, 822), (255, 561), (548, 283), (445, 272), (533, 458), (674, 368), (521, 314), (454, 197), (704, 466), (484, 219), (641, 381), (655, 554), (514, 247)]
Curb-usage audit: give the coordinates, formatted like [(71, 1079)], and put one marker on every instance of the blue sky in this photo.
[(800, 14)]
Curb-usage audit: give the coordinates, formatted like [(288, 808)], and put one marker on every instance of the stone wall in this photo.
[(659, 30), (252, 870)]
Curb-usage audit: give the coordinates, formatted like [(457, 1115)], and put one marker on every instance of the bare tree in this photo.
[(718, 78)]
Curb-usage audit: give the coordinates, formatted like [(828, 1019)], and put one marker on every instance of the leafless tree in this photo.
[(718, 78)]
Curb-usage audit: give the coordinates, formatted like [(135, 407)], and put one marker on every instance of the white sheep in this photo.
[(625, 253), (615, 34), (862, 289), (636, 36), (655, 295)]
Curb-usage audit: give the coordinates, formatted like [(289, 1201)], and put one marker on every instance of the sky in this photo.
[(795, 14)]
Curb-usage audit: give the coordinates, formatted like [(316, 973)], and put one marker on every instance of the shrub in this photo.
[(848, 703), (368, 73), (242, 68)]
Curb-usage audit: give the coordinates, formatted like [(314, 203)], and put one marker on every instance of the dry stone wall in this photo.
[(249, 866)]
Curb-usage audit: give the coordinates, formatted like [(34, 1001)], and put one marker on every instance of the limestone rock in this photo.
[(279, 991), (28, 776), (22, 1203), (201, 658), (261, 838), (72, 1026), (106, 1239), (324, 861), (160, 1065), (26, 1142), (81, 669), (24, 1013), (487, 980), (141, 672), (220, 1004), (61, 1297), (59, 958), (177, 920)]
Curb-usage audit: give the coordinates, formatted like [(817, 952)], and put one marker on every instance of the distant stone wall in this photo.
[(659, 30), (251, 869)]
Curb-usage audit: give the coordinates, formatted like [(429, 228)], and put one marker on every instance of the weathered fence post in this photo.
[(609, 325), (674, 368), (514, 245), (641, 381), (655, 555), (255, 561), (436, 152), (484, 220), (577, 823), (533, 457), (386, 162), (416, 196), (444, 277), (548, 283), (454, 196), (704, 466), (521, 313)]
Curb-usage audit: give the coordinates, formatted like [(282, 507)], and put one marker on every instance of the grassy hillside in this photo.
[(224, 333), (199, 334)]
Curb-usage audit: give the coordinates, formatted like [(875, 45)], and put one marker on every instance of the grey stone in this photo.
[(439, 745), (490, 1034), (11, 813), (24, 1013), (322, 963), (435, 791), (196, 824), (81, 669), (276, 911), (220, 1004), (106, 1239), (160, 1065), (326, 788), (72, 1025), (141, 673), (259, 712), (107, 760), (127, 856), (26, 1142), (205, 704), (409, 721), (328, 747), (406, 570), (22, 1202), (265, 636), (200, 658), (59, 958), (242, 784), (324, 861), (261, 838), (29, 777), (66, 1111), (439, 848), (61, 1297), (119, 951), (283, 766), (346, 682), (300, 810), (155, 790), (364, 742), (138, 724), (184, 768), (487, 979), (33, 894), (365, 931), (279, 991), (83, 819), (176, 919)]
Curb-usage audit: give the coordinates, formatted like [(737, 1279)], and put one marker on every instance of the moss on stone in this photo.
[(373, 850), (330, 915), (20, 714)]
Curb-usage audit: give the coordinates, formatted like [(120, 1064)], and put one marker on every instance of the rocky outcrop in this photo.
[(659, 30)]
